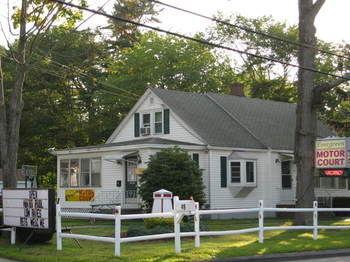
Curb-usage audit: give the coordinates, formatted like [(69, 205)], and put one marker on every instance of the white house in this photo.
[(243, 145)]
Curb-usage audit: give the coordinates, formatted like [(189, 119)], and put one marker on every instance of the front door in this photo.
[(130, 180)]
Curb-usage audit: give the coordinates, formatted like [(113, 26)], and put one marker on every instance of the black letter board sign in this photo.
[(29, 208)]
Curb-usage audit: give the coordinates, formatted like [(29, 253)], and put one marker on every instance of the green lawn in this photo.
[(211, 247)]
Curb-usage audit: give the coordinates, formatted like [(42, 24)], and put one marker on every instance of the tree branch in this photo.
[(317, 7), (323, 88), (330, 85)]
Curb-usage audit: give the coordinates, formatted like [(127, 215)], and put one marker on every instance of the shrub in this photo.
[(158, 221), (174, 170)]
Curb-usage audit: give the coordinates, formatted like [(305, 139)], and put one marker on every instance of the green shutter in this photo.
[(195, 158), (223, 171), (137, 124), (166, 121)]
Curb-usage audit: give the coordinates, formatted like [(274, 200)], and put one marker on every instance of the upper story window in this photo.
[(158, 122), (242, 172), (84, 172), (146, 124)]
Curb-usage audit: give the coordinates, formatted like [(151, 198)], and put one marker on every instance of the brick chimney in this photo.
[(237, 89)]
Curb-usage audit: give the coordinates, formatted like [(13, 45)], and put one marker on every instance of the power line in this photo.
[(56, 74), (250, 30), (201, 41), (89, 17), (79, 72)]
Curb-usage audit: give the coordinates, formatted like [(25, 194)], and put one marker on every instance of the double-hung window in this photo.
[(242, 172), (146, 120), (158, 122), (84, 172)]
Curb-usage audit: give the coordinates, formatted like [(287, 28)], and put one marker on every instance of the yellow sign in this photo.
[(79, 194), (139, 171)]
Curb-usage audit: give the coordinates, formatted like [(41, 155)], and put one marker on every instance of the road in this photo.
[(326, 259)]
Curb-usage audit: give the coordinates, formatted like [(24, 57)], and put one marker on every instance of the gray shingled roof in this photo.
[(232, 121)]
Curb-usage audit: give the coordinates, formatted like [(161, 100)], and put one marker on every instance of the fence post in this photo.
[(177, 221), (58, 227), (197, 226), (117, 228), (261, 221), (315, 221), (13, 235)]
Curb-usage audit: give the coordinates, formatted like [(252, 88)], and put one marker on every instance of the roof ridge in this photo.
[(235, 119), (223, 95)]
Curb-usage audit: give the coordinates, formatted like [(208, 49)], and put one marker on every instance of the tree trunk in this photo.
[(10, 121), (306, 120)]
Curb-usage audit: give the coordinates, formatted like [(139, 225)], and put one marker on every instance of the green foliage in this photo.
[(168, 62), (126, 34), (173, 170), (270, 80), (158, 221)]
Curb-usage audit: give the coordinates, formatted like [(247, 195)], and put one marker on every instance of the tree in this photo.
[(32, 19), (168, 62), (172, 169), (141, 11), (309, 101), (269, 80)]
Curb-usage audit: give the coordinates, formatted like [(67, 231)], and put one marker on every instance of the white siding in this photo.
[(268, 181), (178, 131)]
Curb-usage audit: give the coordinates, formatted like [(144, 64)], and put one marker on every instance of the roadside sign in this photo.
[(29, 208), (331, 153)]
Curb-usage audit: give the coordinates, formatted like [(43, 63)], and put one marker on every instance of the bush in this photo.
[(173, 170), (158, 221), (153, 226)]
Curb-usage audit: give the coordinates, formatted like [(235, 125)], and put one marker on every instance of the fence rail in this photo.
[(197, 233)]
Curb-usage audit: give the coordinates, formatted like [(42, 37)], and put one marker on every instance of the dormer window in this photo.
[(154, 121), (158, 122)]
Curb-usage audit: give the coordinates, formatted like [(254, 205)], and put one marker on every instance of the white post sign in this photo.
[(28, 208)]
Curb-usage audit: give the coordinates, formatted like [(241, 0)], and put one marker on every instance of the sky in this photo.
[(332, 22)]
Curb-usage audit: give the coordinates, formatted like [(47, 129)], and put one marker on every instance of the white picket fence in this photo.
[(177, 216)]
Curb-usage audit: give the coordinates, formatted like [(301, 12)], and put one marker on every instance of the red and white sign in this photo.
[(334, 172), (331, 153)]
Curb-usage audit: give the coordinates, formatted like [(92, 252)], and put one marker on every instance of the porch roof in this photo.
[(142, 141)]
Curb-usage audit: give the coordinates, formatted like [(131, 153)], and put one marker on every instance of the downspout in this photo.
[(269, 170), (209, 174)]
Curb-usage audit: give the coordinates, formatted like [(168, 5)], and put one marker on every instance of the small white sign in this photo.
[(29, 208)]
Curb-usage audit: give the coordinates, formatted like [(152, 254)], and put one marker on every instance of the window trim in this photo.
[(243, 173)]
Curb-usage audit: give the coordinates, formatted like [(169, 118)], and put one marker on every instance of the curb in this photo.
[(290, 256)]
